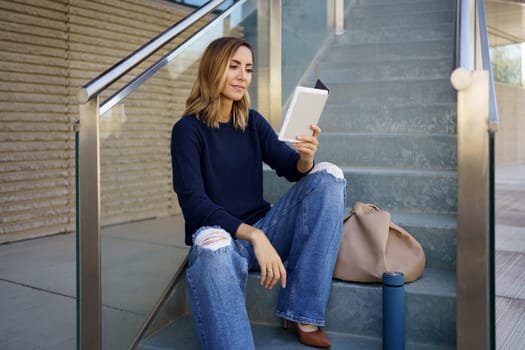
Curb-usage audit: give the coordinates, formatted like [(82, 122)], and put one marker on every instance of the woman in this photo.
[(218, 148)]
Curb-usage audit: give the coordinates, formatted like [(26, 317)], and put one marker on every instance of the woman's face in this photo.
[(239, 75)]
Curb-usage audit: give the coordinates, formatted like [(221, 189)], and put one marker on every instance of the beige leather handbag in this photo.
[(371, 244)]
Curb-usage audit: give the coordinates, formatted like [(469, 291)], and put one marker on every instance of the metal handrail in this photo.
[(460, 77), (100, 83), (485, 54), (119, 95), (493, 122)]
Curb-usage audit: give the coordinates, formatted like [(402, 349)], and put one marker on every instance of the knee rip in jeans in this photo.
[(213, 238), (330, 168)]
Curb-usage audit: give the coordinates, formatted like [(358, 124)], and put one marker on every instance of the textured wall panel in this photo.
[(50, 49), (34, 152)]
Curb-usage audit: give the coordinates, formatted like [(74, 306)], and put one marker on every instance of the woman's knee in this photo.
[(214, 252), (211, 248), (332, 184), (212, 238), (329, 168), (214, 261)]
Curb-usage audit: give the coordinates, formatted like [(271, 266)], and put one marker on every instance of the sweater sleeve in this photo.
[(277, 154), (198, 209)]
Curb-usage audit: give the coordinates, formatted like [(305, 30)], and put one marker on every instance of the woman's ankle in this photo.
[(305, 327)]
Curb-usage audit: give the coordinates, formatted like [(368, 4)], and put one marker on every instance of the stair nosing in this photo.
[(335, 43), (398, 171)]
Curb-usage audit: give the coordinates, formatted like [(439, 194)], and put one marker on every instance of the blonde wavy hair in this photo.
[(205, 97)]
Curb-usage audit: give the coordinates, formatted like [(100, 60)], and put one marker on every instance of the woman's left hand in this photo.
[(307, 147)]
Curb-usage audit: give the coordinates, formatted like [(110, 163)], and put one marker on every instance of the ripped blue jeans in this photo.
[(304, 227)]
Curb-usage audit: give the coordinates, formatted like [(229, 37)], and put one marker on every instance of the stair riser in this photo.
[(405, 9), (386, 2), (439, 245), (377, 118), (420, 193), (431, 318), (393, 93), (388, 20), (395, 151), (389, 35), (357, 309), (346, 71), (371, 53)]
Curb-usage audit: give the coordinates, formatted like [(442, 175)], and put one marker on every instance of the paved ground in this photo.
[(37, 277), (38, 284), (510, 257)]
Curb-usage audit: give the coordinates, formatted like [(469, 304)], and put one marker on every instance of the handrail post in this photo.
[(472, 79), (473, 210), (89, 216)]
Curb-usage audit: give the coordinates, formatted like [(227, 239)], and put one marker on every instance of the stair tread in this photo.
[(180, 334), (391, 82), (388, 171), (409, 26), (387, 134), (356, 46), (402, 7), (436, 282), (344, 64), (425, 220), (399, 171), (376, 18)]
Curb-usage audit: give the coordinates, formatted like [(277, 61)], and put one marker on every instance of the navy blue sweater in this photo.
[(217, 172)]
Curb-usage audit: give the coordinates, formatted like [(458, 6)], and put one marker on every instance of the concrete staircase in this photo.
[(390, 123)]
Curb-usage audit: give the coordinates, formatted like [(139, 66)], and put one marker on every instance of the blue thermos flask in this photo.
[(393, 311)]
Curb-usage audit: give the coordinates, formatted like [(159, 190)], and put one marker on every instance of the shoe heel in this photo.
[(284, 323)]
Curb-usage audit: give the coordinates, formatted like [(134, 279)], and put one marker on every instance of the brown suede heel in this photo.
[(317, 338)]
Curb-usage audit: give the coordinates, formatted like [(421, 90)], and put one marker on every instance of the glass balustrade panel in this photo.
[(306, 25), (142, 233)]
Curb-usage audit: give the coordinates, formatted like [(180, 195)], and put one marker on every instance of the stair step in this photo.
[(380, 34), (422, 202), (436, 233), (425, 191), (356, 308), (379, 118), (439, 16), (436, 151), (181, 335), (366, 52), (384, 2), (354, 314), (407, 190), (393, 93), (342, 71), (405, 8)]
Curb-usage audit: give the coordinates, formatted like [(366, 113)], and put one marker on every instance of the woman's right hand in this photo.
[(272, 268)]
